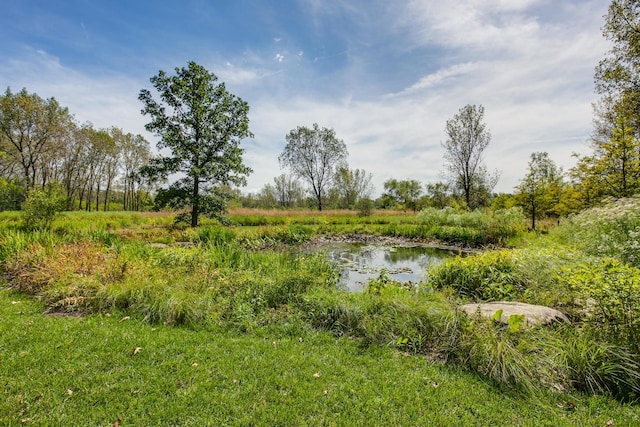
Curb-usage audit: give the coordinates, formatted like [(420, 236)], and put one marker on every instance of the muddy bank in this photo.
[(369, 239)]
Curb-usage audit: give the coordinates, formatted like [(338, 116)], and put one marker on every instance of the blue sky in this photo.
[(385, 75)]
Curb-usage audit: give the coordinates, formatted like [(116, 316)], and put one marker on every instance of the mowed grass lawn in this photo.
[(105, 370)]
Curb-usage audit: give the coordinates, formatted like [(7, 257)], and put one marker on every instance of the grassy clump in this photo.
[(386, 313)]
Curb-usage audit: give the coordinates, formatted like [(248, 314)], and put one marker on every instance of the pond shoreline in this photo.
[(371, 239)]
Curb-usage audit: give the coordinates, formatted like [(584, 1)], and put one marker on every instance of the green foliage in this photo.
[(500, 353), (610, 296), (386, 313), (203, 136), (12, 195), (365, 207), (42, 205), (476, 227)]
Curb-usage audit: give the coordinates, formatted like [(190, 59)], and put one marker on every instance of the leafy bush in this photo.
[(42, 205), (609, 292), (365, 207)]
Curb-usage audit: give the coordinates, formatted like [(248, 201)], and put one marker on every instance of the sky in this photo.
[(385, 75)]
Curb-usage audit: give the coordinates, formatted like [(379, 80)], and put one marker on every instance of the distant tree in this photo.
[(288, 191), (202, 125), (404, 192), (467, 138), (352, 185), (314, 154), (540, 191), (135, 153), (31, 129), (440, 194)]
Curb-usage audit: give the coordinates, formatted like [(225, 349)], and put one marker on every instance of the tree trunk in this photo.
[(196, 202)]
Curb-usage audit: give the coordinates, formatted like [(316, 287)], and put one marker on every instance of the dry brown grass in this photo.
[(38, 267), (309, 212)]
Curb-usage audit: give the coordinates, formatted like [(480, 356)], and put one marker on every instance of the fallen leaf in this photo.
[(273, 343), (125, 318), (15, 302), (435, 384), (25, 420), (195, 365), (117, 422), (300, 339), (234, 381), (611, 423), (316, 375), (136, 350), (180, 384), (326, 392), (69, 392)]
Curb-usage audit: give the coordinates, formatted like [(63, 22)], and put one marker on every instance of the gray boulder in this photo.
[(533, 314)]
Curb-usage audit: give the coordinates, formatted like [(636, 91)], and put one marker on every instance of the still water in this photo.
[(359, 263)]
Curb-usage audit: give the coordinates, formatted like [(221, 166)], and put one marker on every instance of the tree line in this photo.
[(41, 145), (201, 126)]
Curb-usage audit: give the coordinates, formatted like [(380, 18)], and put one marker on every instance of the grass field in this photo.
[(97, 369)]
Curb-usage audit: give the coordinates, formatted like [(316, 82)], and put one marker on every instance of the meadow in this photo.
[(130, 317)]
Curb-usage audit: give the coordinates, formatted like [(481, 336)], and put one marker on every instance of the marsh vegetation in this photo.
[(247, 293)]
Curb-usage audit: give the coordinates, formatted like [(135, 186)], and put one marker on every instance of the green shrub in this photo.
[(609, 293), (42, 205), (365, 207)]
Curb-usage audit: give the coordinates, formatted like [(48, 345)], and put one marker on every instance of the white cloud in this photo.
[(279, 57)]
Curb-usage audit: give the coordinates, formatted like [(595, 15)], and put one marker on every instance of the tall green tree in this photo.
[(31, 130), (201, 124), (540, 190), (467, 138), (314, 154), (404, 192)]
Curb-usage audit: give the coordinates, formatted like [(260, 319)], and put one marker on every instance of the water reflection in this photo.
[(359, 263)]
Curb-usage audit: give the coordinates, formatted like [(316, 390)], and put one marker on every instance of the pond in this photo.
[(360, 262)]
